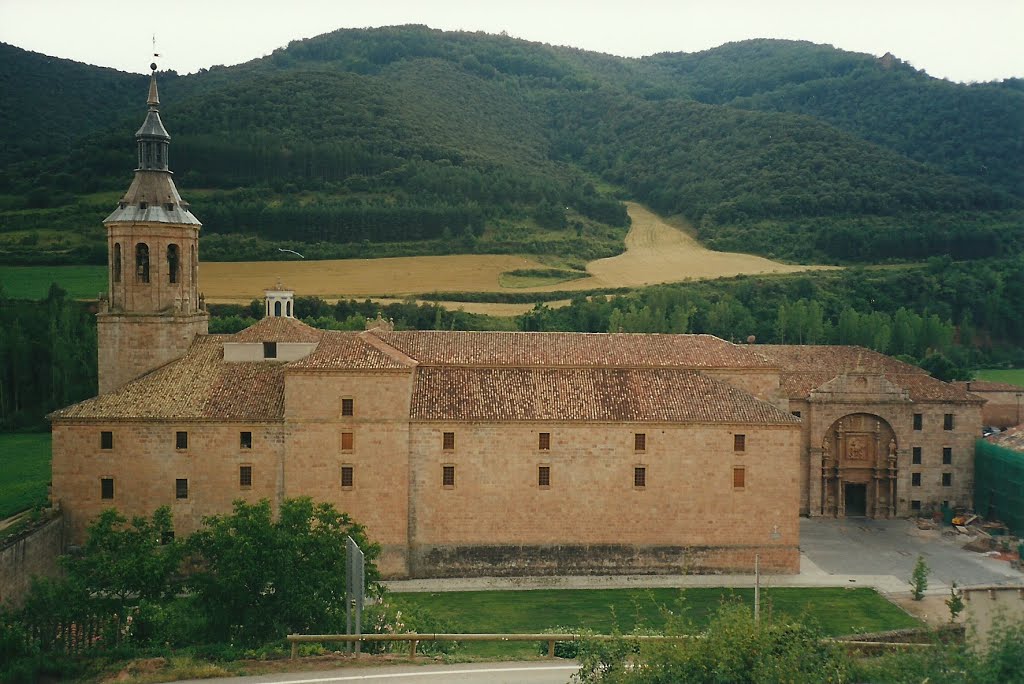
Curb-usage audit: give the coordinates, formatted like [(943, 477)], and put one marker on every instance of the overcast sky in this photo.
[(961, 40)]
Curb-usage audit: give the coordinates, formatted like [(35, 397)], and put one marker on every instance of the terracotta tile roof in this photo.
[(806, 367), (340, 350), (198, 386), (525, 349), (989, 386), (593, 394), (278, 329)]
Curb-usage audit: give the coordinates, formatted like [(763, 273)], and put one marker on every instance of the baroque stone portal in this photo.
[(858, 467)]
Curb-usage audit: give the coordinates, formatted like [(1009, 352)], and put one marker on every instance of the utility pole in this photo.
[(757, 589)]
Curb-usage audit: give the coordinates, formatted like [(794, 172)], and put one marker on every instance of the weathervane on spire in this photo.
[(155, 53)]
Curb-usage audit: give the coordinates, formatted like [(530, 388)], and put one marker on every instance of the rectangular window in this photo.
[(918, 419), (107, 488), (947, 421), (180, 440), (916, 458), (640, 442), (181, 488), (796, 413), (347, 476), (245, 476), (544, 441), (915, 505), (915, 479), (947, 455), (106, 440), (544, 476), (947, 479), (347, 407), (448, 476), (739, 442), (639, 476), (346, 441), (270, 350), (448, 441), (167, 537), (739, 477), (245, 440)]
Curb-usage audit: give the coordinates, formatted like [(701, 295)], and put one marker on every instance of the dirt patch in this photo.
[(932, 609)]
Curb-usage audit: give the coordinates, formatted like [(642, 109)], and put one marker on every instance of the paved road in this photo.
[(554, 672)]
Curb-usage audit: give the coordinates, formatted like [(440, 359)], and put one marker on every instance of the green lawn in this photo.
[(838, 611), (1014, 376), (33, 282), (24, 471)]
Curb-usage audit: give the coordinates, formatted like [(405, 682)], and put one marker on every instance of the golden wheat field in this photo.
[(656, 252)]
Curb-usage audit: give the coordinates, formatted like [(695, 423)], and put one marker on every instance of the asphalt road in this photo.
[(548, 672)]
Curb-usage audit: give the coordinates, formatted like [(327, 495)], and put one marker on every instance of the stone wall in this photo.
[(131, 345), (27, 555)]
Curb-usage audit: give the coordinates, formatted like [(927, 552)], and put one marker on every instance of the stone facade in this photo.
[(1004, 403)]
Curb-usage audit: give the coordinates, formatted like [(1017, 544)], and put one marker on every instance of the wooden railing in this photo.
[(864, 647)]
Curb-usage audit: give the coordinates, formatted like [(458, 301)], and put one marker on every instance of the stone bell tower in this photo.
[(153, 309)]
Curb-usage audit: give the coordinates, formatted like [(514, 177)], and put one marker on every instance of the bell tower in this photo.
[(153, 309)]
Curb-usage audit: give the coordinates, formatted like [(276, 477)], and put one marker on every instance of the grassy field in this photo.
[(33, 282), (837, 611), (24, 471), (1013, 376)]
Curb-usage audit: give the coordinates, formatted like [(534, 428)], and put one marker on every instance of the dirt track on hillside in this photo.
[(656, 252)]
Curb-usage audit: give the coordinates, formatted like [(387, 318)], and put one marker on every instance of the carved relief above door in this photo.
[(858, 468)]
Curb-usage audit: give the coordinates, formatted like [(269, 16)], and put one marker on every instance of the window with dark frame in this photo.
[(915, 479), (918, 420), (448, 441), (916, 456), (640, 441), (544, 476), (947, 421), (448, 476), (915, 505), (181, 488), (739, 442), (270, 350), (739, 477), (181, 440), (107, 488), (544, 441), (947, 455), (106, 439), (947, 479), (347, 407), (245, 476), (346, 441), (347, 476), (245, 440), (639, 476)]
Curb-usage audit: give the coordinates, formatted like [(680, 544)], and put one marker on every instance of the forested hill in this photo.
[(410, 140)]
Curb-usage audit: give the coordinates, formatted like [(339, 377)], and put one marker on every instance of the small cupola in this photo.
[(152, 138), (280, 302)]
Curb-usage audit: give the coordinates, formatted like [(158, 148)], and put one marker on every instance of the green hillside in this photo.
[(407, 140)]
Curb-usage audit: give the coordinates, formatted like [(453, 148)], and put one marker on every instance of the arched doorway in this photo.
[(858, 467)]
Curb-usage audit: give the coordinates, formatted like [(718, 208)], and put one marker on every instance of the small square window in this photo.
[(448, 476), (107, 488), (270, 350), (347, 477), (544, 476), (106, 440), (915, 505), (346, 441), (639, 476), (640, 441), (245, 440), (915, 479), (448, 441), (544, 441), (347, 407), (947, 479), (181, 488), (918, 420), (947, 421), (245, 476), (739, 442), (167, 537), (916, 456), (947, 455), (739, 477), (180, 440)]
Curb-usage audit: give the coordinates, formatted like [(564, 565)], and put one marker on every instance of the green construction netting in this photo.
[(999, 485)]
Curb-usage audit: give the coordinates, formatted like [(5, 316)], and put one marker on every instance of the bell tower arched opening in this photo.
[(859, 467)]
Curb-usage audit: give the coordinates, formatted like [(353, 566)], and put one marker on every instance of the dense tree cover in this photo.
[(410, 136), (47, 357)]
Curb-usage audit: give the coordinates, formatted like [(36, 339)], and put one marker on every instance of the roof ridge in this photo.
[(371, 338)]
